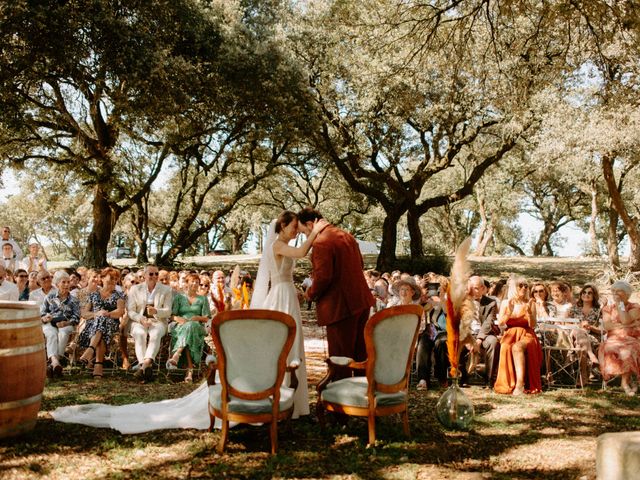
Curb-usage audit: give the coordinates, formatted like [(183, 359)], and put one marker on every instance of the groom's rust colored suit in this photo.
[(342, 296)]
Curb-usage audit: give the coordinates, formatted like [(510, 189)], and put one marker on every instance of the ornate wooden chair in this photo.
[(251, 349), (390, 337)]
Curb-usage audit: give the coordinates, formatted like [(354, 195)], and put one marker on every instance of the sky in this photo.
[(574, 238)]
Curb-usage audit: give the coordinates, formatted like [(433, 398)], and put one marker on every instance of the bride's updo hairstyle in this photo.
[(284, 219)]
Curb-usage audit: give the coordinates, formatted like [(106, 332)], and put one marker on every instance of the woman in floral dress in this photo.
[(102, 313)]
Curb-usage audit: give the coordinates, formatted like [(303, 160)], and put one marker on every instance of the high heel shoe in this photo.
[(87, 362)]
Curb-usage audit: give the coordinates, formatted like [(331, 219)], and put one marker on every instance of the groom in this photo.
[(342, 296)]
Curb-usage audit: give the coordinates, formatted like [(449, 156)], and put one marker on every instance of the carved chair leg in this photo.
[(405, 422), (372, 429), (224, 434), (274, 436), (320, 414)]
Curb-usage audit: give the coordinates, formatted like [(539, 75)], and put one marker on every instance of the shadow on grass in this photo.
[(307, 451)]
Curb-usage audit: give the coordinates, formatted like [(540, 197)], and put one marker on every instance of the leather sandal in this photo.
[(87, 362), (97, 370)]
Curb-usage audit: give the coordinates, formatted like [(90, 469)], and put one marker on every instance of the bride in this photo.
[(273, 290)]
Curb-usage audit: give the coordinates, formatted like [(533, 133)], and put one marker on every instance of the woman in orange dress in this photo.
[(520, 352)]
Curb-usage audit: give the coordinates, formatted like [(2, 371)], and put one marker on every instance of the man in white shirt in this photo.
[(6, 237), (149, 308), (46, 287), (8, 291)]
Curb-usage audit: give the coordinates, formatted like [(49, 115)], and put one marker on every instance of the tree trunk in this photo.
[(630, 223), (140, 216), (484, 240), (612, 240), (95, 255), (594, 250), (544, 239), (387, 256), (415, 235)]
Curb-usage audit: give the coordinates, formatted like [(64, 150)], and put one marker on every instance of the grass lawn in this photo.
[(552, 435)]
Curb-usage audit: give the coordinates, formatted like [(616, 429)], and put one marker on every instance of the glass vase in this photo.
[(454, 409)]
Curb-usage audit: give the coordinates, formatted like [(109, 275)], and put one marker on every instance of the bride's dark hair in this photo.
[(284, 219)]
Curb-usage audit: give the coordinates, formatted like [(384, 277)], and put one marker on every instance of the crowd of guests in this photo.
[(512, 320), (88, 310), (95, 311)]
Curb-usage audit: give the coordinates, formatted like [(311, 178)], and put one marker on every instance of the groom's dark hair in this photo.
[(308, 214)]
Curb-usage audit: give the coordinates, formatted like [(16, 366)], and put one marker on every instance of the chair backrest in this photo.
[(390, 338), (252, 348)]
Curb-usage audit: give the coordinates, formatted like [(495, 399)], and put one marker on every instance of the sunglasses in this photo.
[(22, 275), (538, 290), (153, 274), (45, 278), (523, 285)]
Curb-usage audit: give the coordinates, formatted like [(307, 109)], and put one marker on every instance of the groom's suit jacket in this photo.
[(137, 301), (339, 287)]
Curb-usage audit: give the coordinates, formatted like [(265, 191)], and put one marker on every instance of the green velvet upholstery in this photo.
[(393, 339), (251, 349), (353, 392), (239, 405)]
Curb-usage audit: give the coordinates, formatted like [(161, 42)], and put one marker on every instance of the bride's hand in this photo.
[(319, 225)]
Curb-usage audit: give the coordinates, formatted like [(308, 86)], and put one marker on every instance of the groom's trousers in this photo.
[(346, 339)]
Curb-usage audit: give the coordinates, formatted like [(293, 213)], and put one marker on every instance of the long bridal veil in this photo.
[(190, 411), (266, 266), (186, 412)]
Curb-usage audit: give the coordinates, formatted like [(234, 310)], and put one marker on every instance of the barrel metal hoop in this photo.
[(20, 403), (12, 352), (13, 326)]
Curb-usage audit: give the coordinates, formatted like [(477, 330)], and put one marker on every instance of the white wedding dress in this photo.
[(274, 290)]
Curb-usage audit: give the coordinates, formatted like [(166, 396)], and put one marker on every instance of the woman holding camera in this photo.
[(60, 313)]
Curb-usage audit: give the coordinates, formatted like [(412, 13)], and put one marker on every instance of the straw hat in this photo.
[(410, 282)]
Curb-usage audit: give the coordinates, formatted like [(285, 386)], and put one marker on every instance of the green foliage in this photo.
[(436, 262)]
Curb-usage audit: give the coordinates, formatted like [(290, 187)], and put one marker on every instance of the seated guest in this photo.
[(125, 325), (405, 292), (619, 354), (149, 308), (219, 294), (559, 301), (74, 280), (486, 331), (497, 291), (46, 287), (8, 290), (102, 313), (22, 282), (34, 262), (587, 310), (540, 293), (190, 312), (60, 313), (520, 352), (33, 281), (433, 339), (163, 277)]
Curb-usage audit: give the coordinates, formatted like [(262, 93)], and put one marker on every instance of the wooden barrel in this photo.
[(22, 367)]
